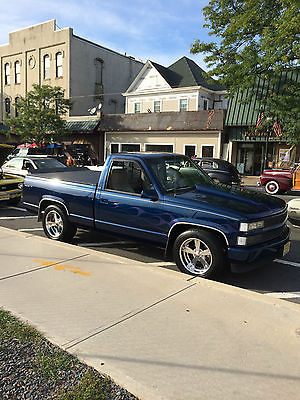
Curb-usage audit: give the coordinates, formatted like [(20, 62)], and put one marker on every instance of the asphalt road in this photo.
[(279, 279)]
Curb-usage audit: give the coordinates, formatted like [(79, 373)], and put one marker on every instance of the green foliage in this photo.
[(52, 364), (256, 38), (40, 115), (11, 327), (91, 387)]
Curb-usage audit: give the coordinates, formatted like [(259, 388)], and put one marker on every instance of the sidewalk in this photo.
[(158, 333)]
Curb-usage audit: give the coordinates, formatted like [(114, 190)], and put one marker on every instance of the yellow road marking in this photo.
[(75, 270)]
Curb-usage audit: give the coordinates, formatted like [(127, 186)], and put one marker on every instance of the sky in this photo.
[(158, 30)]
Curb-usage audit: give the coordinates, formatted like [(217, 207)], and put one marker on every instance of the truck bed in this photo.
[(74, 175)]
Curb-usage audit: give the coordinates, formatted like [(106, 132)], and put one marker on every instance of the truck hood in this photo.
[(232, 201)]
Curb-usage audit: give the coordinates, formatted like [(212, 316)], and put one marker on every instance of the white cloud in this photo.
[(158, 30)]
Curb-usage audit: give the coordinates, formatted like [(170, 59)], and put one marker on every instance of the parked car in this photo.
[(167, 200), (22, 165), (220, 170), (277, 181), (10, 188), (294, 211)]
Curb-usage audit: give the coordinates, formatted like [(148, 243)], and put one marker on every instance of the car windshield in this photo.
[(48, 163), (178, 173)]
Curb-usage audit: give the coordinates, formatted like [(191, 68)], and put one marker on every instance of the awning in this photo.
[(82, 126)]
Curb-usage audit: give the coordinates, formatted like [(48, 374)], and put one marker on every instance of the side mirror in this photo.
[(150, 194)]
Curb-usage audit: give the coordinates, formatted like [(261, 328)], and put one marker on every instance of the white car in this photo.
[(22, 165), (294, 211)]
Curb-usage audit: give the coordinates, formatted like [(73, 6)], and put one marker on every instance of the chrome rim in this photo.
[(54, 224), (195, 256)]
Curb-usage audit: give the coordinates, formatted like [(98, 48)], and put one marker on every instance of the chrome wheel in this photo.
[(54, 224), (195, 256)]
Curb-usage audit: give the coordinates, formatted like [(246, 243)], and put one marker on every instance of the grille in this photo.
[(278, 219), (9, 186)]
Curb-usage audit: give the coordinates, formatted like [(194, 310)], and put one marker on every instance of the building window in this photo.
[(7, 105), (137, 108), (16, 106), (59, 68), (157, 106), (190, 150), (114, 148), (46, 66), (205, 104), (7, 74), (17, 72), (207, 151), (130, 147), (160, 148), (183, 105)]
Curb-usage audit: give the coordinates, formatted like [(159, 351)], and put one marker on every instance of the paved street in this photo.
[(280, 279)]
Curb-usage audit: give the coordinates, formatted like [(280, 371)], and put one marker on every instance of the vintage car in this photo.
[(10, 188), (220, 170), (276, 181)]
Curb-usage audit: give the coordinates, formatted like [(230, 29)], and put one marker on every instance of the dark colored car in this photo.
[(220, 170)]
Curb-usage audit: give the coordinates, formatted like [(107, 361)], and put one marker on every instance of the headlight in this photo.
[(20, 185), (251, 226), (241, 241)]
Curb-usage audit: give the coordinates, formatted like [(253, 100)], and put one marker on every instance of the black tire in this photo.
[(187, 250), (272, 187), (56, 224)]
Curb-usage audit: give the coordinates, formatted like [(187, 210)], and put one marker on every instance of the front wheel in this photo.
[(199, 253), (272, 187), (56, 224)]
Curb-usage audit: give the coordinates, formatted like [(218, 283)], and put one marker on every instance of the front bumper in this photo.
[(11, 194), (258, 255)]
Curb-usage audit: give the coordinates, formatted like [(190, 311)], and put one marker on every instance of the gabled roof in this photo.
[(190, 74), (183, 73)]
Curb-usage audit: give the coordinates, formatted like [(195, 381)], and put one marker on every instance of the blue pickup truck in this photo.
[(167, 200)]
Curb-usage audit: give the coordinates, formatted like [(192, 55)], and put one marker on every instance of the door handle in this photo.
[(105, 201)]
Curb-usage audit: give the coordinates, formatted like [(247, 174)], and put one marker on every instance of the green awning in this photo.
[(82, 126), (245, 113)]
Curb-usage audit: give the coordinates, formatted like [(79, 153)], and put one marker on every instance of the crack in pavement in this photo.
[(69, 344)]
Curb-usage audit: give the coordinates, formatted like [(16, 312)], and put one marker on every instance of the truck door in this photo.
[(120, 208)]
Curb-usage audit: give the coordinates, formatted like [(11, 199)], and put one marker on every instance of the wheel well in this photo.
[(45, 203), (180, 228)]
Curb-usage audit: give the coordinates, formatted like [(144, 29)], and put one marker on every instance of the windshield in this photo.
[(48, 163), (176, 173)]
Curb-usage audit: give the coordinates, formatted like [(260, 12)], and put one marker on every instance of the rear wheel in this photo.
[(199, 253), (56, 224), (272, 187)]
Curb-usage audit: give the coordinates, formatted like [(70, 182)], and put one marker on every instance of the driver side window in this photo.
[(127, 177)]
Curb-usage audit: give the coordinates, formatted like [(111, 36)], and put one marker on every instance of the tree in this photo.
[(39, 115), (257, 38)]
